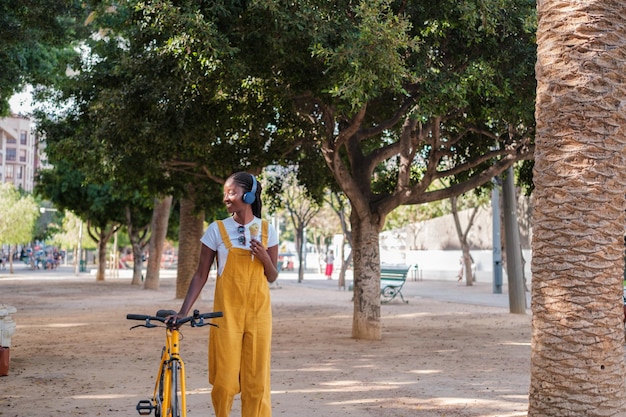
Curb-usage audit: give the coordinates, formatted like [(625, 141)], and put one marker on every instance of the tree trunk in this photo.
[(102, 260), (514, 267), (102, 239), (466, 258), (577, 360), (11, 252), (366, 319), (301, 251), (160, 220), (137, 238), (137, 263), (345, 263), (189, 234)]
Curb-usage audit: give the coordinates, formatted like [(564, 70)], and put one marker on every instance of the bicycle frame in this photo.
[(171, 362)]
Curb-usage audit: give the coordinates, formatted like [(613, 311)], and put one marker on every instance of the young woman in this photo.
[(246, 249)]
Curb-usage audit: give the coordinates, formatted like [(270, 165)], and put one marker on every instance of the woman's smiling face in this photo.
[(233, 196)]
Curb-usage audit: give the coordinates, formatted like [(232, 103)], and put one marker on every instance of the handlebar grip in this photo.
[(137, 317), (212, 315)]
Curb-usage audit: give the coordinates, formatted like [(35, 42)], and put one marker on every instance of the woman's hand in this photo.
[(268, 257), (258, 251)]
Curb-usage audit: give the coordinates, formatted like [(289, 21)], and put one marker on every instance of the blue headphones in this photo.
[(250, 196)]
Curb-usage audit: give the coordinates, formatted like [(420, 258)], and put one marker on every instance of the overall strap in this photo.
[(264, 228), (224, 235)]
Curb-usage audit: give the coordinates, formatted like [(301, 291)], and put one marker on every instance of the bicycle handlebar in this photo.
[(196, 320)]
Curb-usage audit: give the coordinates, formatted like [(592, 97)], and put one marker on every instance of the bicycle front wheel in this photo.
[(175, 403)]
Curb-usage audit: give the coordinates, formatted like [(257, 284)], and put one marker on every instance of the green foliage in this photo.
[(186, 92), (524, 173), (68, 235), (49, 222), (19, 214), (171, 94), (369, 60), (68, 190), (36, 42)]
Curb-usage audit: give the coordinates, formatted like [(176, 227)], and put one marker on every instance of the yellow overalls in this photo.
[(239, 350)]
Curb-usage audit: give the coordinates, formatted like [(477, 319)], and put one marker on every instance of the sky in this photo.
[(21, 103)]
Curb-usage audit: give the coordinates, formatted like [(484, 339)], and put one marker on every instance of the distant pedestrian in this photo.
[(460, 275), (330, 261), (462, 271)]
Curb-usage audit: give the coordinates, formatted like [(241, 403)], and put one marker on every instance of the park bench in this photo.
[(392, 280)]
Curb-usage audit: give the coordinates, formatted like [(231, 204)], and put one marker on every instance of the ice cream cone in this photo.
[(254, 230)]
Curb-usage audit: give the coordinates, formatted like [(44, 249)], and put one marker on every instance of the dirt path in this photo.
[(73, 354)]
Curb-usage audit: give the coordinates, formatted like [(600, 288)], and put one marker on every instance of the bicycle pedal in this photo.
[(144, 407)]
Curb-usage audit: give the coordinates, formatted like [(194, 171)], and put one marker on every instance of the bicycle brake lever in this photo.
[(147, 325), (201, 323)]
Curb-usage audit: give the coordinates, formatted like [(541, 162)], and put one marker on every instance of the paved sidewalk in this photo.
[(481, 293)]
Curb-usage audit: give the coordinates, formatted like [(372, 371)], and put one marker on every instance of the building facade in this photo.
[(20, 156)]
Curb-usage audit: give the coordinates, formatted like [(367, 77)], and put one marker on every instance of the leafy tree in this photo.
[(138, 216), (390, 95), (70, 236), (19, 214), (402, 94), (462, 233), (99, 205), (300, 208), (340, 205), (168, 105), (36, 41)]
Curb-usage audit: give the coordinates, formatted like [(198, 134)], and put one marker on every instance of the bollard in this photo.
[(7, 329)]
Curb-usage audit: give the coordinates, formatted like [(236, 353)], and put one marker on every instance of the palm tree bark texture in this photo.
[(577, 359)]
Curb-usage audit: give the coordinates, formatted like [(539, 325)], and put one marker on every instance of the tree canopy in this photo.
[(19, 214), (36, 42), (389, 96)]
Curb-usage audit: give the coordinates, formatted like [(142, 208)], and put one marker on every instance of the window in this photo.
[(23, 137), (11, 154), (9, 172), (20, 172), (22, 155)]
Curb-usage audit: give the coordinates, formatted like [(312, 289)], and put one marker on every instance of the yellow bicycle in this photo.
[(169, 399)]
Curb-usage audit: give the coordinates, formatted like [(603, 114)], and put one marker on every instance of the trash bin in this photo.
[(82, 266)]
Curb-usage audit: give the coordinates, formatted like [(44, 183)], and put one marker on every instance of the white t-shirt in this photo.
[(213, 239)]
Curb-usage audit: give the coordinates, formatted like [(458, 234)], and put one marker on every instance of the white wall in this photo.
[(444, 264)]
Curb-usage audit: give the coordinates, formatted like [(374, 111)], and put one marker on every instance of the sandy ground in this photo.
[(73, 353)]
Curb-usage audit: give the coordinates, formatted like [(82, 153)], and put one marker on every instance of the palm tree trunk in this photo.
[(577, 361)]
